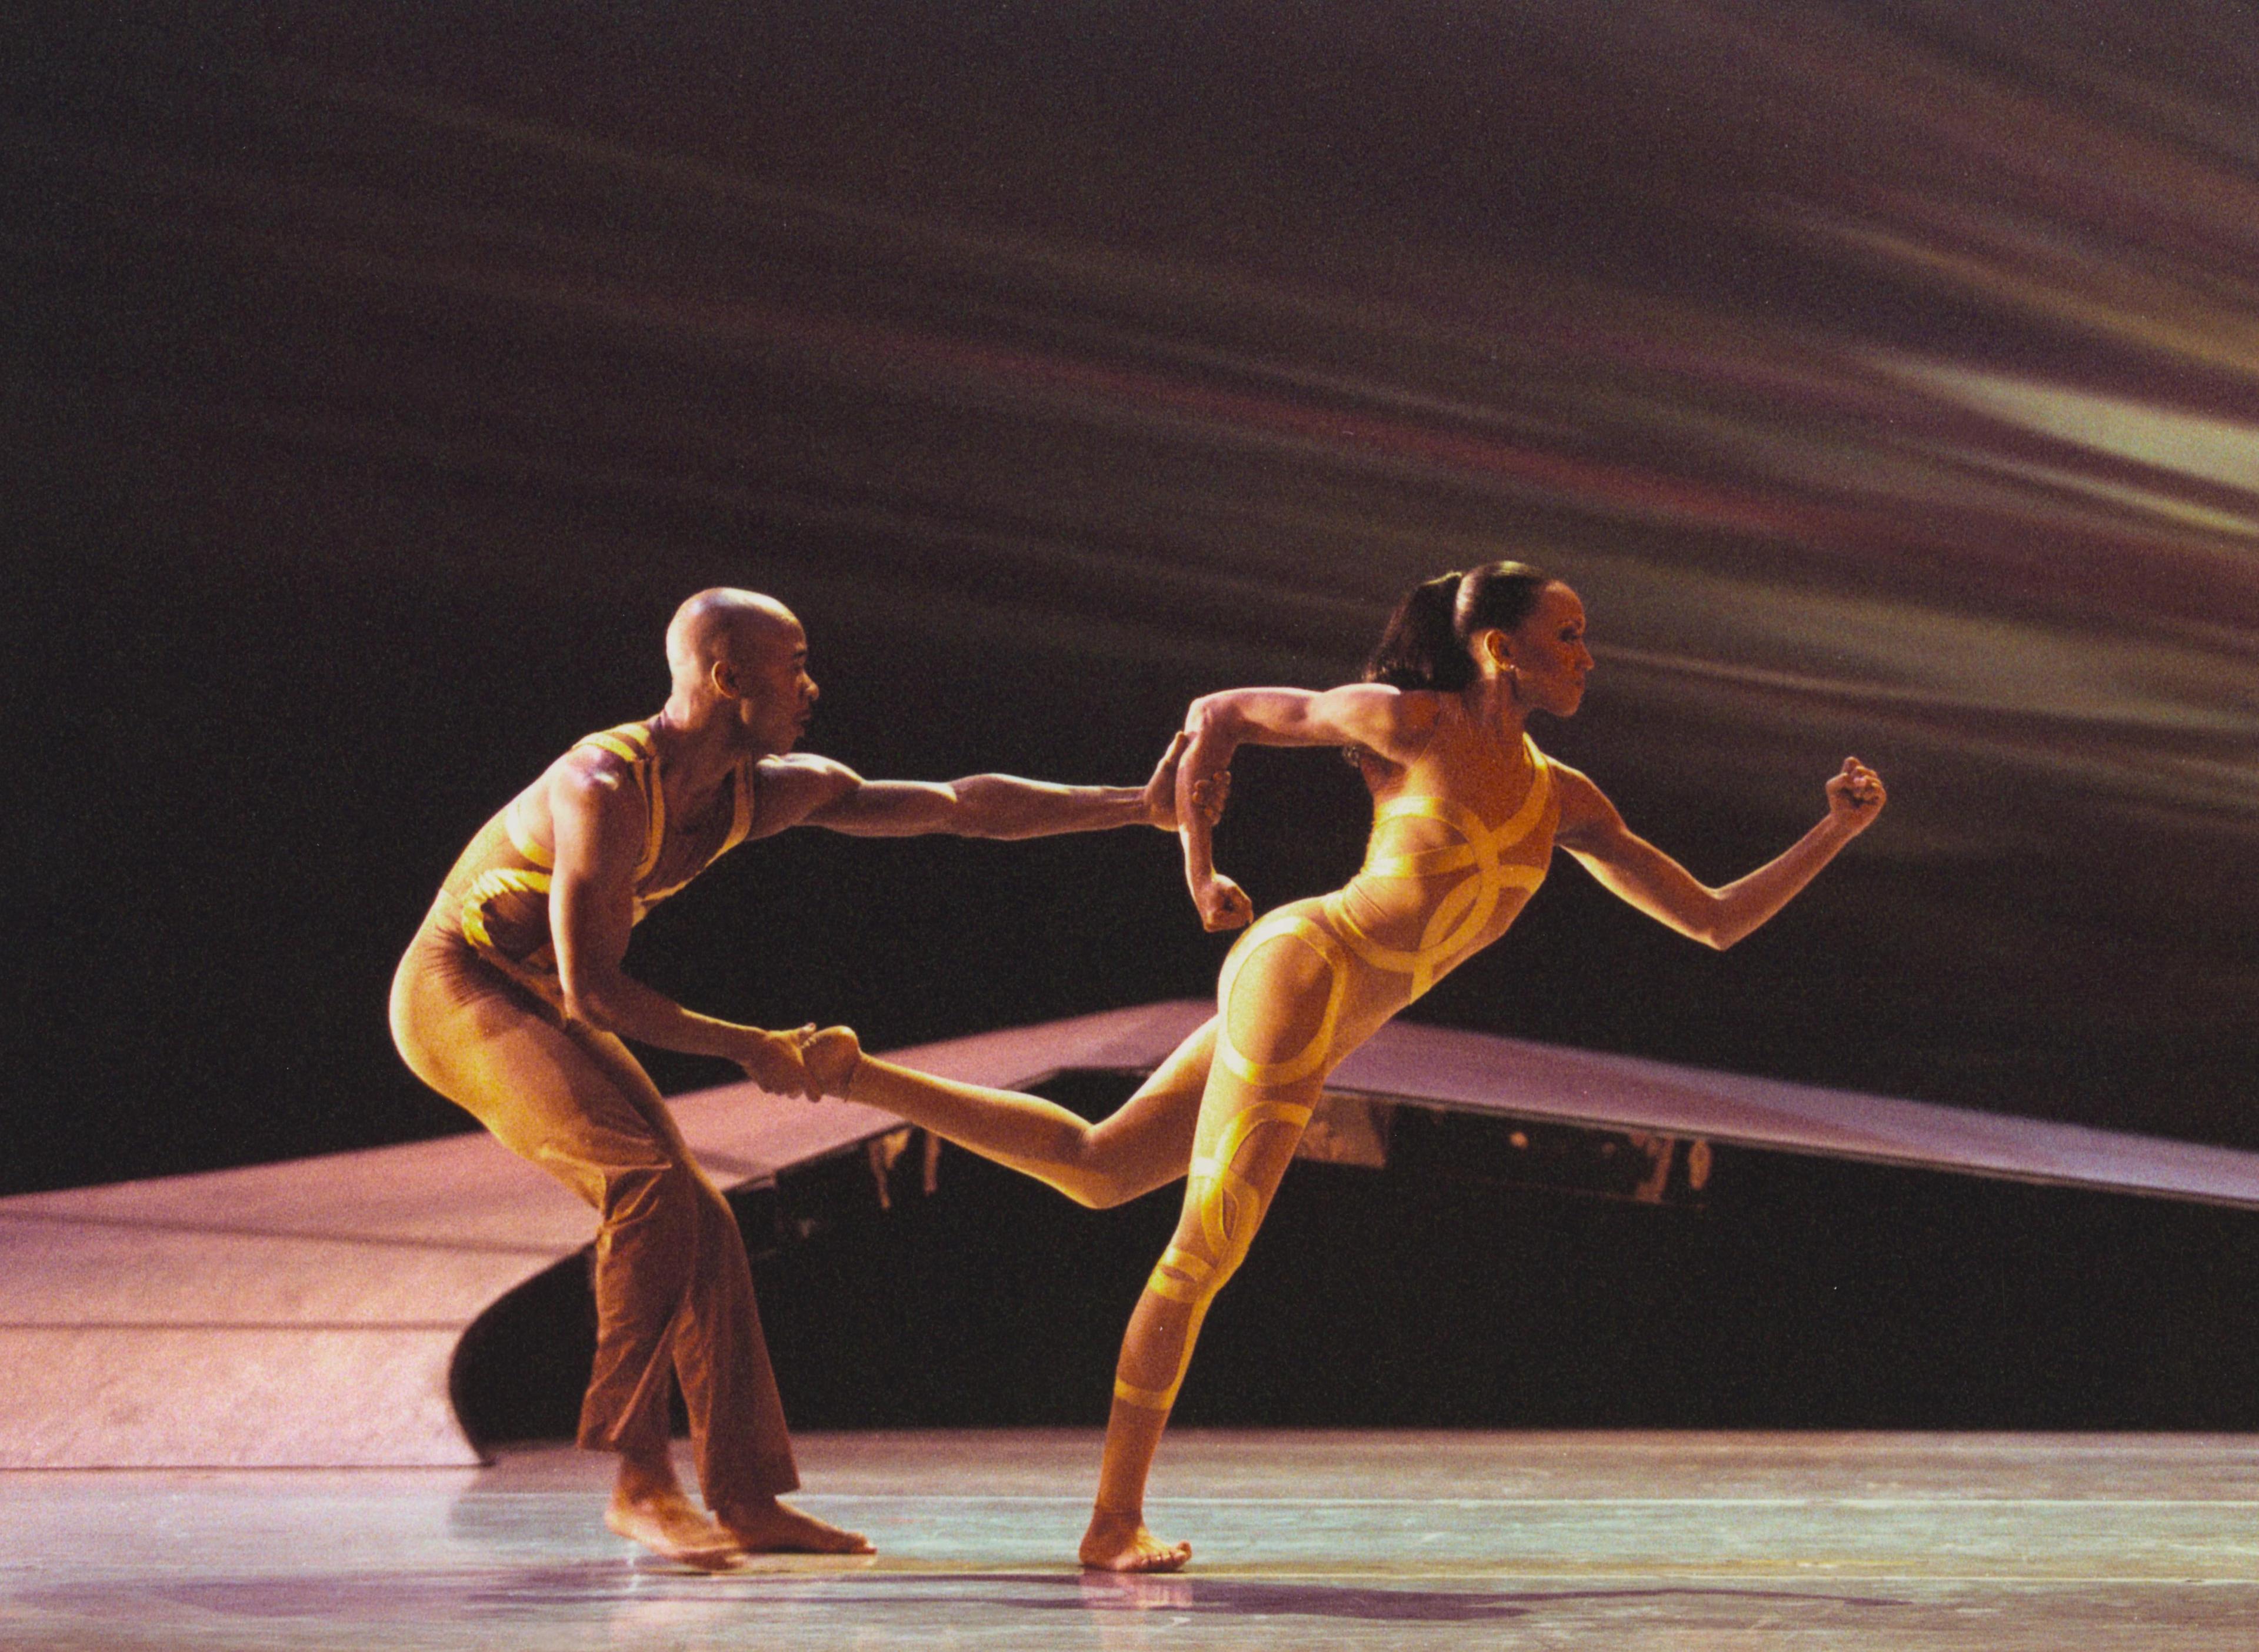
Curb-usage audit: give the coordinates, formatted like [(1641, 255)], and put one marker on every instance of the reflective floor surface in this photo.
[(1349, 1540)]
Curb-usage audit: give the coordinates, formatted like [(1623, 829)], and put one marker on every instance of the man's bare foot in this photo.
[(831, 1058), (665, 1523), (773, 1528), (1120, 1543)]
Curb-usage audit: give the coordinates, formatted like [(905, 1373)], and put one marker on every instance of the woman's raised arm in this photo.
[(1388, 720), (1638, 873)]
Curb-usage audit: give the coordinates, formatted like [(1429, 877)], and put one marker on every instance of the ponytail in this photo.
[(1417, 648), (1424, 644)]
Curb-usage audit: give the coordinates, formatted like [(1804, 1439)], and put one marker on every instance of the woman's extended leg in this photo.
[(1143, 1144)]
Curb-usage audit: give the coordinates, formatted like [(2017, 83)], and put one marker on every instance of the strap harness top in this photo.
[(507, 907)]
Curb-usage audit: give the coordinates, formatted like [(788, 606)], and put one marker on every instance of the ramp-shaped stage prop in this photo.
[(309, 1314)]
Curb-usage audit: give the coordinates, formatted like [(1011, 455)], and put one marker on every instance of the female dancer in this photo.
[(1467, 813)]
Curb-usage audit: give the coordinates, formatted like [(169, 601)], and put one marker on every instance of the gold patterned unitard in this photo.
[(1461, 836)]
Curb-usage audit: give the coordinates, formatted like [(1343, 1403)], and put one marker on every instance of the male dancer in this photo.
[(513, 1003)]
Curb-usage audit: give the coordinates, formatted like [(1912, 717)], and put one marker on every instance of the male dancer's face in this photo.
[(776, 697)]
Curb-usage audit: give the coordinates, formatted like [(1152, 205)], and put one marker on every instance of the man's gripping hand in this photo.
[(774, 1061), (1210, 792)]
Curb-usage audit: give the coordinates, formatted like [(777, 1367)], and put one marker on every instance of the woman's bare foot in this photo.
[(1120, 1543), (665, 1523), (831, 1058), (771, 1528)]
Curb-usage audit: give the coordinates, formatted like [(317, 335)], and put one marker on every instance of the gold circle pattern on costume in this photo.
[(1224, 1199), (1455, 921), (1460, 916), (1265, 1075)]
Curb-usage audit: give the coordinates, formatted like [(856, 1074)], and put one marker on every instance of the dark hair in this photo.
[(1424, 644)]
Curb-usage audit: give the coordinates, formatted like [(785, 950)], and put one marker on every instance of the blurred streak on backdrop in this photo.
[(1885, 376)]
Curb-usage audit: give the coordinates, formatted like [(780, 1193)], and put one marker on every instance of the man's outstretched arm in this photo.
[(1001, 806)]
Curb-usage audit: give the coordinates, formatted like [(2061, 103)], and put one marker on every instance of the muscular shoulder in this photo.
[(589, 777), (789, 789), (1587, 816), (593, 806), (1411, 715), (1394, 724)]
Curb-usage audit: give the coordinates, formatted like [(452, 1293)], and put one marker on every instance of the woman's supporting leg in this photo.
[(1236, 1173), (1143, 1144), (1281, 1000)]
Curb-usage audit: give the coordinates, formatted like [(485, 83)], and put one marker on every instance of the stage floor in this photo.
[(1349, 1540)]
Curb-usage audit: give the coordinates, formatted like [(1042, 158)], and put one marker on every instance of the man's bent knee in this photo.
[(718, 1223)]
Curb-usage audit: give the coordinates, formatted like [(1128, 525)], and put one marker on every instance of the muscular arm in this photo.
[(816, 791), (1384, 720), (599, 826), (1636, 871), (1001, 806)]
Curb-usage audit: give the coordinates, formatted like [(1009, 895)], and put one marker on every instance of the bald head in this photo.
[(742, 657), (726, 627)]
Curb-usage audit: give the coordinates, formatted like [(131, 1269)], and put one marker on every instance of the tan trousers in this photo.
[(674, 1294)]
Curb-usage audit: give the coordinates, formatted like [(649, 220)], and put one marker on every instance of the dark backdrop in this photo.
[(376, 380)]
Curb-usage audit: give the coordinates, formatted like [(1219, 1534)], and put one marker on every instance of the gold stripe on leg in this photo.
[(1145, 1398)]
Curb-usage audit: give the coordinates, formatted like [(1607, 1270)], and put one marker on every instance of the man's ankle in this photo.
[(640, 1481)]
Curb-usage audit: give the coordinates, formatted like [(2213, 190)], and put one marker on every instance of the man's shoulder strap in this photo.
[(632, 744)]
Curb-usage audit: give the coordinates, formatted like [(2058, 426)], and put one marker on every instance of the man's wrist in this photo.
[(1124, 805), (743, 1041)]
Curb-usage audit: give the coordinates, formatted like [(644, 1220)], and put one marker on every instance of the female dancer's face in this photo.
[(1546, 650)]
